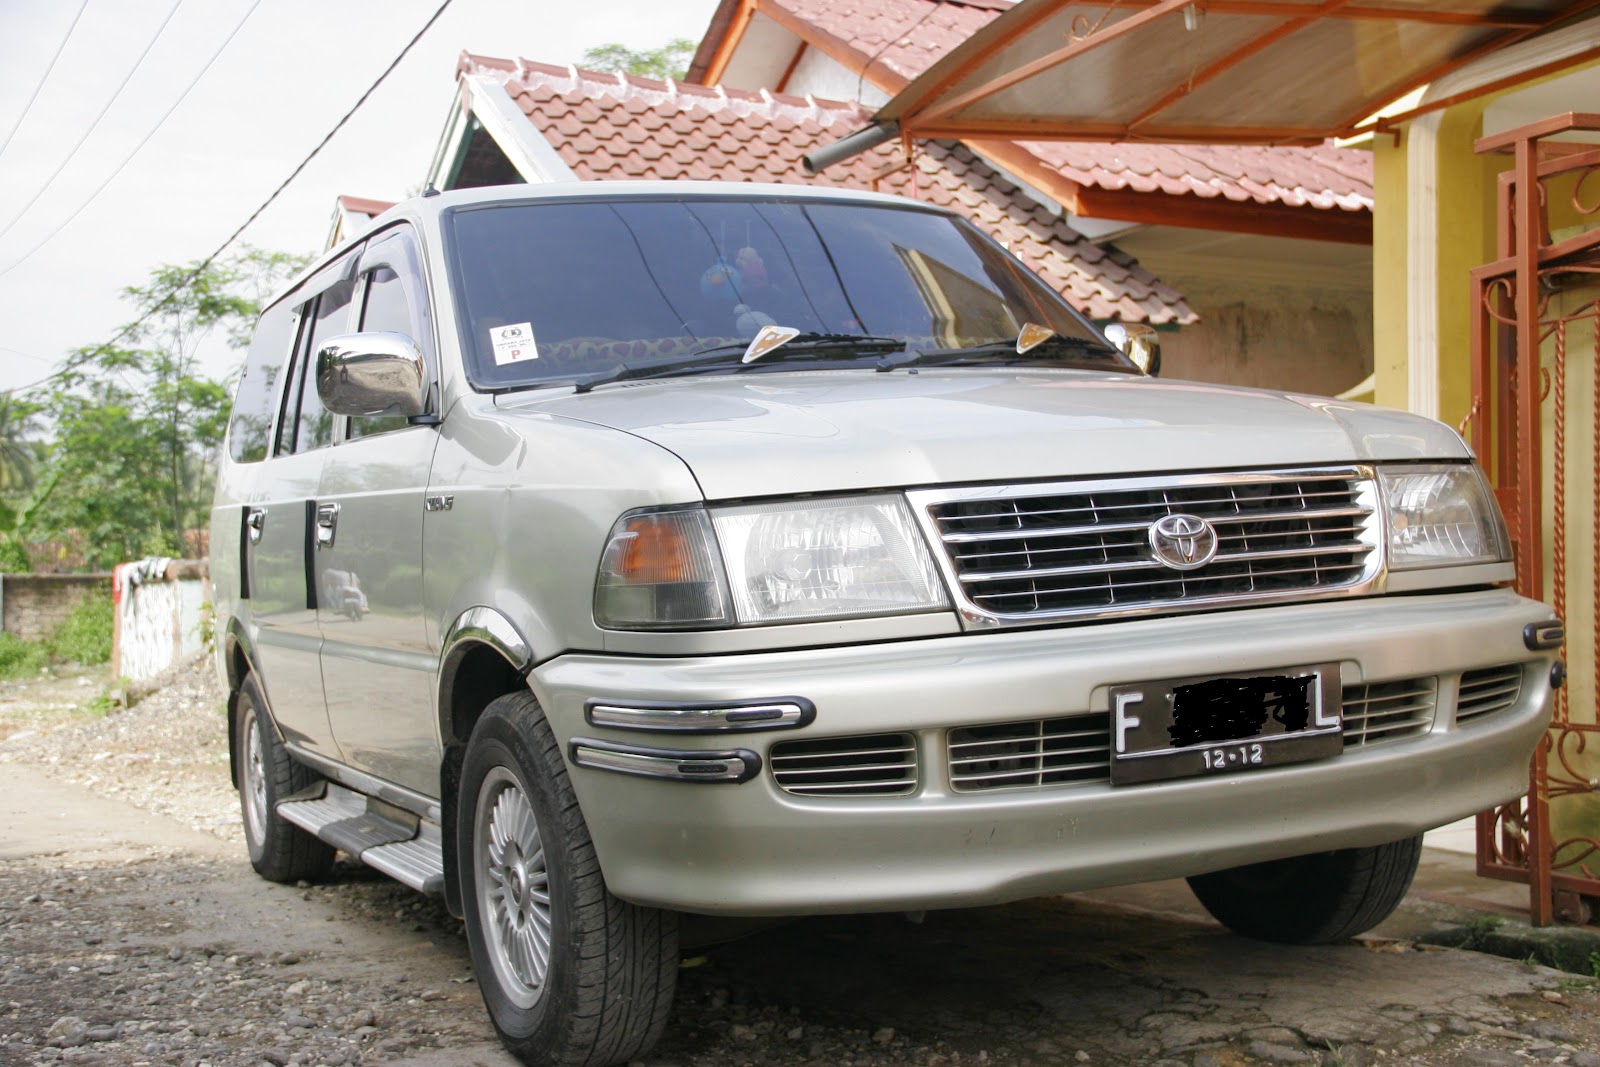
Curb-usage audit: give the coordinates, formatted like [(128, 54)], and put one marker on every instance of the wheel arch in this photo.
[(484, 657), (239, 659)]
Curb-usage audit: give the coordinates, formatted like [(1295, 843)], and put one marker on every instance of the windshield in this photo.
[(565, 291)]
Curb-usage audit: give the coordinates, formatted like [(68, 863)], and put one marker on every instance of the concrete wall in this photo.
[(36, 604), (1312, 339)]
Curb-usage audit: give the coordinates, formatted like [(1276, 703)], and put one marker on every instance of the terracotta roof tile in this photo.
[(900, 39), (604, 127)]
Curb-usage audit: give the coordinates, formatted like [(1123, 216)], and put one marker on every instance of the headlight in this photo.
[(1441, 516), (841, 557), (810, 559)]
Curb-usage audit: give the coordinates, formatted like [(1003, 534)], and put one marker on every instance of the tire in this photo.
[(279, 850), (1312, 900), (570, 974)]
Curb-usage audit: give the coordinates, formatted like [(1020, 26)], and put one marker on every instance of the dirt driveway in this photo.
[(132, 932)]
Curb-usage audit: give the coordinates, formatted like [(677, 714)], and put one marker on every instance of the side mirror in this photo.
[(1138, 342), (372, 374)]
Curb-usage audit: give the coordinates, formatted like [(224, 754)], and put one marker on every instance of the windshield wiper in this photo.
[(1003, 352), (805, 345)]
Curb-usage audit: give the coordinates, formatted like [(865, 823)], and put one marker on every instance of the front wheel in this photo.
[(570, 974), (1312, 900), (279, 850)]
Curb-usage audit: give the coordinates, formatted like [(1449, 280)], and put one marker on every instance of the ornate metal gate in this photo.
[(1535, 352)]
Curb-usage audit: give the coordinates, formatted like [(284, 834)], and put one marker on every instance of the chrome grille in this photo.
[(1084, 548), (1030, 755), (869, 765), (1488, 690), (1388, 711)]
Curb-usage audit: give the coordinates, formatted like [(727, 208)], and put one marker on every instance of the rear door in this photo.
[(378, 671), (280, 523)]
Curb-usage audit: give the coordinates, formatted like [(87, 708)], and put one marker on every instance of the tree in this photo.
[(669, 61), (18, 421), (136, 427)]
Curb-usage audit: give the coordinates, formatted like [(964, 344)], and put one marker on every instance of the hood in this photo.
[(822, 431)]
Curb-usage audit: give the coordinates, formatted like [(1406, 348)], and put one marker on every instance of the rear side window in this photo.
[(253, 400)]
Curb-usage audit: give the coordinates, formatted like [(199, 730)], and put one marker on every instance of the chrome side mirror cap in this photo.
[(1138, 342), (372, 374)]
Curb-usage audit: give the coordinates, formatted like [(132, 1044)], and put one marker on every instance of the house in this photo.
[(526, 121), (1271, 245)]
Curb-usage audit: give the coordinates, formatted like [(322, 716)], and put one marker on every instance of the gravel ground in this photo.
[(168, 754), (119, 947)]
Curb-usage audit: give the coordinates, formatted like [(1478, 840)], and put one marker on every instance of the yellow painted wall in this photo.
[(1389, 313), (1466, 239)]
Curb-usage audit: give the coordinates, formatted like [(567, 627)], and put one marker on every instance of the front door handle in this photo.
[(327, 521), (255, 520)]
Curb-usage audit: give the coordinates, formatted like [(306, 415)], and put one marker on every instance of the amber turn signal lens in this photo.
[(659, 571)]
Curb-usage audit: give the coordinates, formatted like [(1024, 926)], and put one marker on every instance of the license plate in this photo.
[(1184, 727)]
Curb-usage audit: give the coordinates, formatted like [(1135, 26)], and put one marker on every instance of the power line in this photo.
[(136, 148), (95, 125), (73, 364), (37, 89)]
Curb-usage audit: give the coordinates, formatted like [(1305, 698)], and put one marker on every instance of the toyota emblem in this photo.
[(1183, 542)]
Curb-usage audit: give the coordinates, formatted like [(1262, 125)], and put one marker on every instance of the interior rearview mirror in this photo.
[(1138, 342)]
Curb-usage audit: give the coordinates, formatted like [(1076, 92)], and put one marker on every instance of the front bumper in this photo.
[(751, 848)]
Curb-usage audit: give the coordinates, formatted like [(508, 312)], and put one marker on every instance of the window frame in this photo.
[(396, 247)]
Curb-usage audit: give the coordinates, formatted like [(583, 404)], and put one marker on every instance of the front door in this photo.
[(378, 671), (279, 528)]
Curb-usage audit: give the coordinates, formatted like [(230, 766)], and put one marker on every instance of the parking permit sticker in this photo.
[(513, 343)]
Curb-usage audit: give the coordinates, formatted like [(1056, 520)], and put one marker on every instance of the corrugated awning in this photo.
[(1197, 71)]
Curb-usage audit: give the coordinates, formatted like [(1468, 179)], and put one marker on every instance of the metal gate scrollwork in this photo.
[(1534, 422)]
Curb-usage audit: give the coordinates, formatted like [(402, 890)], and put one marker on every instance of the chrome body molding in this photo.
[(401, 797), (701, 717), (1367, 541), (486, 626), (727, 767)]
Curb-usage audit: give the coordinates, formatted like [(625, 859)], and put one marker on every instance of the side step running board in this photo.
[(408, 851)]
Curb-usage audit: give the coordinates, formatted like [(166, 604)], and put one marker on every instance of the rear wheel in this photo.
[(1311, 900), (279, 850), (570, 974)]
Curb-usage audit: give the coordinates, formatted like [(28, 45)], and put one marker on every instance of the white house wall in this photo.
[(825, 78)]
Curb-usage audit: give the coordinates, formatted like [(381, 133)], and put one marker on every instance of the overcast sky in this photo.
[(294, 67)]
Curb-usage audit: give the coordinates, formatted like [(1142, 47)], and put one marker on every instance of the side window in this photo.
[(306, 423), (394, 301), (253, 407)]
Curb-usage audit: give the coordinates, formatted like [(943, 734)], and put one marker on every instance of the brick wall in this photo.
[(35, 604)]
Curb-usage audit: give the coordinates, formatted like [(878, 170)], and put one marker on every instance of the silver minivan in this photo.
[(602, 555)]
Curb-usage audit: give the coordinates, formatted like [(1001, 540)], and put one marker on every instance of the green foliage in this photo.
[(19, 658), (85, 637), (13, 557), (669, 61), (137, 427), (18, 421)]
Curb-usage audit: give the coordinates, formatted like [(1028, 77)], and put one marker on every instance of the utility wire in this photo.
[(19, 261), (88, 357), (37, 89), (95, 125)]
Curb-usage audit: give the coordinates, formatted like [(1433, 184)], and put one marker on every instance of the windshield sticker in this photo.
[(513, 343)]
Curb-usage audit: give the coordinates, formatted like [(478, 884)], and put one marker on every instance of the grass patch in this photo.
[(19, 658), (85, 637)]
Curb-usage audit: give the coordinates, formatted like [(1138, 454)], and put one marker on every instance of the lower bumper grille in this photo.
[(1388, 711), (1488, 691), (868, 765), (1029, 755), (1076, 749)]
